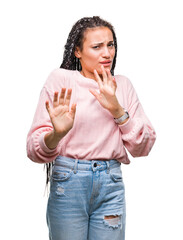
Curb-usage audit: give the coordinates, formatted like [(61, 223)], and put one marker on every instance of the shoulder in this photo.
[(59, 78), (59, 74), (123, 82)]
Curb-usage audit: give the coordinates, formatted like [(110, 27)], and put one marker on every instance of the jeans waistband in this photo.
[(86, 165)]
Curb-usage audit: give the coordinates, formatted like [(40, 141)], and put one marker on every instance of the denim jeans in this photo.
[(86, 201)]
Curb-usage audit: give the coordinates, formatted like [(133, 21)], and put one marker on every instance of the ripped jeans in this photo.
[(86, 201)]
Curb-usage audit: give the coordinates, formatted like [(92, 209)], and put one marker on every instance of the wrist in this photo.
[(52, 139), (58, 135), (123, 119), (118, 112)]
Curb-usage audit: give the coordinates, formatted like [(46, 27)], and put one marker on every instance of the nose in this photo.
[(106, 52)]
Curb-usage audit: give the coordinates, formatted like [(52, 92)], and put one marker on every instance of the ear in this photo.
[(77, 53)]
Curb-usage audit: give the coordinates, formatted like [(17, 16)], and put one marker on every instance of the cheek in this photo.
[(92, 60), (93, 56), (113, 53)]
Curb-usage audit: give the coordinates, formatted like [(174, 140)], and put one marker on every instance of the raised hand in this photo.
[(107, 97), (61, 117)]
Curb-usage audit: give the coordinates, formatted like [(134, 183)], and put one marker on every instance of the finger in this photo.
[(111, 79), (95, 93), (114, 82), (68, 97), (98, 79), (109, 75), (62, 96), (104, 74), (55, 99), (73, 110)]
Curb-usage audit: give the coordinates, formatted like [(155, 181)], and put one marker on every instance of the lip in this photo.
[(106, 63)]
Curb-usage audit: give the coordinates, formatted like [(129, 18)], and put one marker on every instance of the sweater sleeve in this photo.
[(138, 133), (37, 150)]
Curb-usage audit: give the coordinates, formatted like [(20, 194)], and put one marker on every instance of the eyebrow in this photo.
[(100, 43)]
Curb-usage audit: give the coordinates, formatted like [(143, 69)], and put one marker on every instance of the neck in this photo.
[(88, 75)]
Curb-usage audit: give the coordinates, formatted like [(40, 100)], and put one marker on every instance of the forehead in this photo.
[(98, 34)]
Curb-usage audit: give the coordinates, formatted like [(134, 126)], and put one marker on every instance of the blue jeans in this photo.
[(86, 201)]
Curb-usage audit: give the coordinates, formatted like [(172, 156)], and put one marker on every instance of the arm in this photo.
[(138, 134), (37, 150), (49, 126)]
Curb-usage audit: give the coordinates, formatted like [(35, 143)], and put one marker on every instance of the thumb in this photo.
[(47, 106)]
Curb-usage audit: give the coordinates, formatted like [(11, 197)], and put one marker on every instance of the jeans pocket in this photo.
[(116, 174), (61, 174)]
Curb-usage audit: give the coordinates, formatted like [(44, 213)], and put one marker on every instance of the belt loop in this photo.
[(108, 167), (75, 166)]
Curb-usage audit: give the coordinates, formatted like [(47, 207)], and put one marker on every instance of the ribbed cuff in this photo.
[(43, 144), (127, 127)]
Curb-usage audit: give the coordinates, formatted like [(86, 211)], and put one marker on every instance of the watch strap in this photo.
[(122, 118)]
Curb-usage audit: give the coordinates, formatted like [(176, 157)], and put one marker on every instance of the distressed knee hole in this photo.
[(59, 191), (110, 217), (113, 221)]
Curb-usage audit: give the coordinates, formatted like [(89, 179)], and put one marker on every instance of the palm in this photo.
[(107, 87), (61, 118)]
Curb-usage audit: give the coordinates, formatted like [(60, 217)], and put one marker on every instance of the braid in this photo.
[(75, 39), (69, 59)]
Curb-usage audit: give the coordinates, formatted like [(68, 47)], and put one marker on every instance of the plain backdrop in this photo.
[(150, 54)]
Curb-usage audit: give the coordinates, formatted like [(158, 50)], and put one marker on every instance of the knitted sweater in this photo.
[(94, 135)]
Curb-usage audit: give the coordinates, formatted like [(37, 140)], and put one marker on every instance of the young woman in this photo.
[(85, 120)]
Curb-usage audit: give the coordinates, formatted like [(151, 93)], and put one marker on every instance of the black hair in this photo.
[(75, 39)]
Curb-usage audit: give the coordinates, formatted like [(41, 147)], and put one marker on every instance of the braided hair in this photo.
[(75, 39)]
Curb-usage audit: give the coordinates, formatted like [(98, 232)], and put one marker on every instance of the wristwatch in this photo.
[(122, 119)]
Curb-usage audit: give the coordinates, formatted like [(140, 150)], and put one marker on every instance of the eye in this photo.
[(96, 47), (111, 45)]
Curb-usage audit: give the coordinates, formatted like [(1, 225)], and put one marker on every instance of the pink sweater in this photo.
[(94, 135)]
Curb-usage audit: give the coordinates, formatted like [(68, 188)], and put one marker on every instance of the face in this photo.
[(98, 49)]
